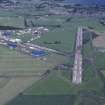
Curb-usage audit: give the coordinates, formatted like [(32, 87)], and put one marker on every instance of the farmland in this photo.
[(56, 88), (43, 100), (58, 83), (17, 22), (66, 34), (18, 71), (48, 86), (13, 61)]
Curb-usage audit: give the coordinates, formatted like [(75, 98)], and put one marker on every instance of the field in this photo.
[(48, 20), (19, 71), (90, 71), (7, 13), (99, 42), (43, 100), (48, 86), (66, 34), (57, 87), (12, 61), (100, 60), (17, 22), (58, 83)]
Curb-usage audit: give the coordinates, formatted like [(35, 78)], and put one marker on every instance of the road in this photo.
[(77, 69), (25, 47)]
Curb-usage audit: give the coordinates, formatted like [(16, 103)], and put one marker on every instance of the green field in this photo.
[(7, 13), (54, 84), (66, 34), (17, 22), (100, 60), (43, 100), (13, 61), (67, 40), (57, 84), (48, 20), (91, 81)]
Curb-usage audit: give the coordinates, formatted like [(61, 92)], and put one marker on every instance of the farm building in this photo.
[(7, 33), (12, 45)]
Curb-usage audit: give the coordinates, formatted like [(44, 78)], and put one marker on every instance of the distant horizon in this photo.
[(87, 2)]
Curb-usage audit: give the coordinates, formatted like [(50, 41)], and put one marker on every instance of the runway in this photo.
[(77, 69)]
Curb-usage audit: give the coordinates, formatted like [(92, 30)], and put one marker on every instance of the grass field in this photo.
[(17, 22), (67, 33), (6, 13), (88, 22), (48, 20), (13, 61), (43, 100), (57, 84), (100, 60), (66, 36), (92, 81), (54, 84)]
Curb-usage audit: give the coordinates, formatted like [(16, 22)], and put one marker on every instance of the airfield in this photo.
[(42, 80)]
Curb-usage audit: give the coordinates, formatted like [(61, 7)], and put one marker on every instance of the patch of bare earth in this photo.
[(99, 41)]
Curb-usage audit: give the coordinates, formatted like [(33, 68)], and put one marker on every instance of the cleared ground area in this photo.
[(99, 42)]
